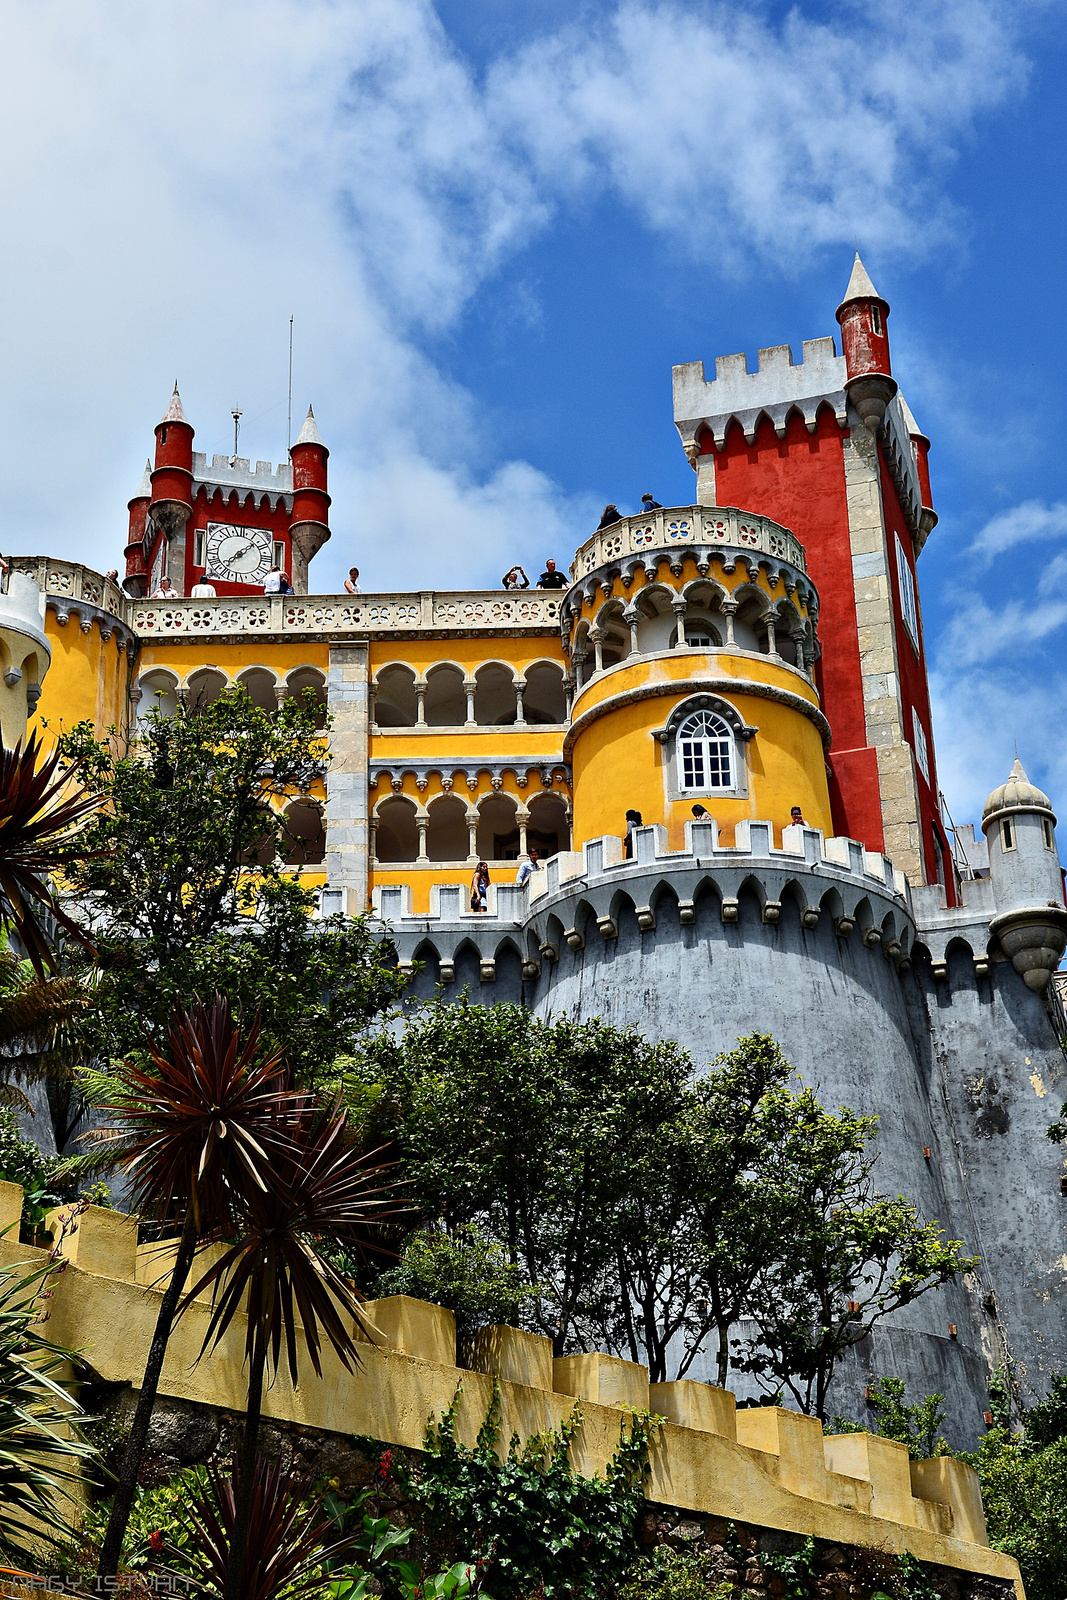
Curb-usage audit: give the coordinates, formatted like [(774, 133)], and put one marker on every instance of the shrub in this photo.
[(464, 1271), (21, 1162)]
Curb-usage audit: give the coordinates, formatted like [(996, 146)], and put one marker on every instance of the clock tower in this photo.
[(226, 523)]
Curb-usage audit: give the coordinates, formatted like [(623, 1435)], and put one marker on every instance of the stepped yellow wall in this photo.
[(769, 1466)]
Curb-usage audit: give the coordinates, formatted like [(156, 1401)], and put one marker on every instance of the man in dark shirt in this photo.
[(551, 579)]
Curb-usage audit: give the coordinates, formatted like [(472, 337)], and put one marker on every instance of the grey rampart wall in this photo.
[(965, 1064)]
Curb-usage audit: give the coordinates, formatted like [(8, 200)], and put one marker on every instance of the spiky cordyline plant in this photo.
[(200, 1128), (38, 816), (288, 1540), (41, 1444), (322, 1188)]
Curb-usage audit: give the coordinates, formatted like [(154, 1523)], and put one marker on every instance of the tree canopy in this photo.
[(650, 1207)]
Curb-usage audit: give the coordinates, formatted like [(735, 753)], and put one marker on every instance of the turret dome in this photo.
[(1018, 794)]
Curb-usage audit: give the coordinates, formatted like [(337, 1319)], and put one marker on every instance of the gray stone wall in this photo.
[(924, 1025)]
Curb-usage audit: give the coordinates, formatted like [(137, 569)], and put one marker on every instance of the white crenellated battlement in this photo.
[(582, 895), (237, 473), (777, 387)]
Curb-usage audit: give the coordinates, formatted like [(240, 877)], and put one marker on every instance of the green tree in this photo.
[(537, 1133), (853, 1256), (918, 1426), (181, 874), (1024, 1492)]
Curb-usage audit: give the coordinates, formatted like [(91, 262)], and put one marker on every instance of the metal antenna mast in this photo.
[(289, 422), (235, 413)]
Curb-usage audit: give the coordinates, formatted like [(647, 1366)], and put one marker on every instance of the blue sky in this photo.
[(498, 223)]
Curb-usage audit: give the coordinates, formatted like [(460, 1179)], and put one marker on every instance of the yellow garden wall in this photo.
[(769, 1467)]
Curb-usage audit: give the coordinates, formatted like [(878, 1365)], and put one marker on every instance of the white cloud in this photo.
[(996, 683), (738, 134), (1028, 523), (178, 179)]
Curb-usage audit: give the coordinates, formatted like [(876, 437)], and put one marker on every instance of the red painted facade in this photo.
[(185, 498), (799, 480)]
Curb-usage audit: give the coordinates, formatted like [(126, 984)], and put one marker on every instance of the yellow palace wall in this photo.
[(88, 679), (618, 764)]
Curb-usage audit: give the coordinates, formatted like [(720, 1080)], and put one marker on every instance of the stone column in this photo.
[(871, 542), (468, 688), (420, 705), (423, 824), (472, 833), (347, 829), (281, 694), (523, 817), (630, 618), (520, 710), (679, 608), (770, 618), (729, 611), (598, 649)]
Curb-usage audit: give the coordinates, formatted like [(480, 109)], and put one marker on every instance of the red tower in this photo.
[(228, 523), (829, 448)]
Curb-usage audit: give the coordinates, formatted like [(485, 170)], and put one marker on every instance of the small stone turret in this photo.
[(172, 484), (309, 529), (864, 318), (1024, 864), (136, 581)]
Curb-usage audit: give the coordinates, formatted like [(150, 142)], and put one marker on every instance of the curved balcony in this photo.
[(688, 526)]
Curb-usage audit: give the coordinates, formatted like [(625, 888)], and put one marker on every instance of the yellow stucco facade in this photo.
[(480, 726)]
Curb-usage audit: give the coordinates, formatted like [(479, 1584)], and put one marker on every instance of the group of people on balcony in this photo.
[(551, 578), (612, 513)]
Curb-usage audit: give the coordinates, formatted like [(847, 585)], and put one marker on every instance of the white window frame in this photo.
[(919, 745), (909, 600), (700, 756), (673, 766)]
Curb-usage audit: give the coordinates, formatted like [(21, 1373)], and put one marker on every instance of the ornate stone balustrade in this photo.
[(477, 611), (680, 526), (69, 580), (286, 615)]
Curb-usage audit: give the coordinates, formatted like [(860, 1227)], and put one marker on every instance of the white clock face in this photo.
[(241, 555)]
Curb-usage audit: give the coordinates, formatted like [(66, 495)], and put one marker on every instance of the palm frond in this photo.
[(41, 1444), (322, 1187), (289, 1541), (39, 817), (202, 1121)]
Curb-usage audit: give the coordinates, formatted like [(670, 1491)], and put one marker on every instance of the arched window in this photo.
[(705, 760)]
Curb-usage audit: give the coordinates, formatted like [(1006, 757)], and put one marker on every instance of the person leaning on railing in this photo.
[(550, 578)]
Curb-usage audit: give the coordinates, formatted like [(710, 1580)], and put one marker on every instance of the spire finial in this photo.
[(860, 286), (174, 412), (309, 433)]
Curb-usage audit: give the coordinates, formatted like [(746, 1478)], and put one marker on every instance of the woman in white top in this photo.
[(352, 581)]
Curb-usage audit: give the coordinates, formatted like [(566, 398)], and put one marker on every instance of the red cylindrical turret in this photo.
[(309, 528), (864, 319), (172, 476), (136, 561), (920, 446), (172, 485)]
